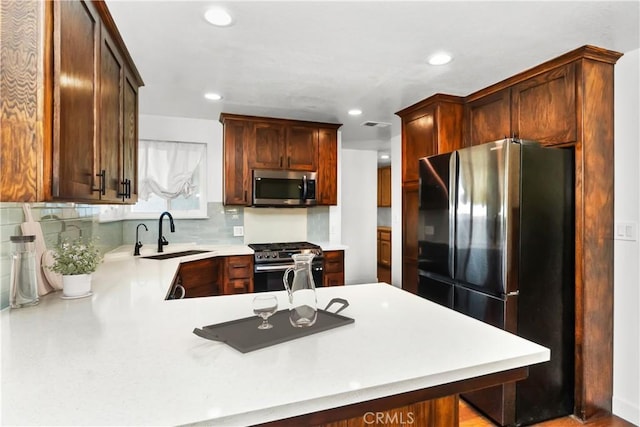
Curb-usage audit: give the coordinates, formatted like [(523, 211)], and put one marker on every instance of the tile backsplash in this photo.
[(70, 220)]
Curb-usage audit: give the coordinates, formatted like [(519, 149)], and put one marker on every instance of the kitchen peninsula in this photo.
[(126, 356)]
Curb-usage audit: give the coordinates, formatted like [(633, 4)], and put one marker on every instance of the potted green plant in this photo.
[(75, 261)]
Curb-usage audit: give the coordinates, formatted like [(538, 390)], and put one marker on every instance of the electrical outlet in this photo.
[(238, 231), (626, 231)]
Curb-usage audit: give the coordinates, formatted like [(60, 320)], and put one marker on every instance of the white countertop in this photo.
[(125, 356)]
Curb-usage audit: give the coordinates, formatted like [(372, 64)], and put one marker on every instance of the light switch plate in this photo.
[(238, 230), (626, 231)]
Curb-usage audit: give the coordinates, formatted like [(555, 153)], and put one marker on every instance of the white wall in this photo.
[(183, 129), (359, 204), (626, 322)]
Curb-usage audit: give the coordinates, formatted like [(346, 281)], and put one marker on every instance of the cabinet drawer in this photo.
[(333, 279), (238, 286), (333, 262), (239, 267)]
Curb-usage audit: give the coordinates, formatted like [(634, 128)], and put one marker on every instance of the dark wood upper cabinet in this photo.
[(76, 44), (268, 143), (543, 108), (488, 118), (302, 148), (268, 149), (80, 90), (237, 175), (384, 186), (327, 177)]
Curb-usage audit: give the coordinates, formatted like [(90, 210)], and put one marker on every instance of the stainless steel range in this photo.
[(272, 259)]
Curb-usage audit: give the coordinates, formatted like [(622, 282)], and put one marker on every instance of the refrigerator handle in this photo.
[(453, 182)]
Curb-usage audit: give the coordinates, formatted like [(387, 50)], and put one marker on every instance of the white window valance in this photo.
[(166, 168)]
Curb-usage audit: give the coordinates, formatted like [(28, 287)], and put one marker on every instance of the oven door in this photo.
[(269, 277)]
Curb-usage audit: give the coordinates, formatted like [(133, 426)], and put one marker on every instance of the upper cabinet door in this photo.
[(327, 184), (237, 176), (543, 108), (110, 120), (302, 148), (418, 141), (130, 138), (268, 150), (76, 42), (488, 118)]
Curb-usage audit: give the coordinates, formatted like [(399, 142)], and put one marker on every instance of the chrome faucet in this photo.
[(136, 251), (161, 240)]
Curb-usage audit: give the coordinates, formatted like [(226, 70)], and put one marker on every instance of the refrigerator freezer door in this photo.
[(480, 221), (435, 235), (499, 402)]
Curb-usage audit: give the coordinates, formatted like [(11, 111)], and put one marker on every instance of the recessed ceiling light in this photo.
[(213, 96), (355, 112), (440, 58), (218, 17), (384, 156)]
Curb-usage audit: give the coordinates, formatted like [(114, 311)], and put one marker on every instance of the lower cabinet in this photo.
[(384, 254), (333, 268), (201, 278), (238, 271), (213, 276)]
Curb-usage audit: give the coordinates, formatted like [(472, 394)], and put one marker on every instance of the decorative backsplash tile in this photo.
[(72, 221)]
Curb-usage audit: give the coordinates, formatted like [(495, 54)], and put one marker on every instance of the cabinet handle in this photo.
[(245, 196), (103, 182), (126, 189), (280, 161), (182, 292)]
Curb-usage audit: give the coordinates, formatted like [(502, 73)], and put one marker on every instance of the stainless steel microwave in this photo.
[(283, 188)]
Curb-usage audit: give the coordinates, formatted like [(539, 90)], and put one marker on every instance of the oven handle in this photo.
[(279, 267), (282, 267)]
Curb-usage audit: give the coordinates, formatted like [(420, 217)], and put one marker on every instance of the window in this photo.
[(171, 177)]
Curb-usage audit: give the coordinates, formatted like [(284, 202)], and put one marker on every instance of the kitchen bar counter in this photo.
[(125, 356)]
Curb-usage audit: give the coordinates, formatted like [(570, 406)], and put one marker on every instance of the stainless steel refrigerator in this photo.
[(496, 242)]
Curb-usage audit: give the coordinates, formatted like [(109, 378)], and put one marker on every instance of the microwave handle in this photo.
[(305, 187)]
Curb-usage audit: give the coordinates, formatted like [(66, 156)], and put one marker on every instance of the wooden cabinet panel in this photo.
[(384, 247), (327, 176), (200, 278), (237, 176), (238, 274), (302, 148), (410, 237), (76, 30), (268, 148), (543, 108), (384, 186), (110, 161), (130, 137), (418, 141), (488, 118), (333, 274), (268, 143), (74, 128)]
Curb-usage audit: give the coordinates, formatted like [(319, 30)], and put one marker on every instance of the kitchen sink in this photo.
[(175, 254)]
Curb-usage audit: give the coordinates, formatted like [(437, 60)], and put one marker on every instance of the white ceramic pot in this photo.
[(76, 285)]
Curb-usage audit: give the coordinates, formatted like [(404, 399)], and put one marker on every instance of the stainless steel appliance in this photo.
[(495, 242), (270, 260), (283, 188)]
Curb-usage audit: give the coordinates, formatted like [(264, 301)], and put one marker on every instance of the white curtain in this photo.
[(166, 168)]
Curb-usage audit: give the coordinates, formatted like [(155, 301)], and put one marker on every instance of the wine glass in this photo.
[(264, 306)]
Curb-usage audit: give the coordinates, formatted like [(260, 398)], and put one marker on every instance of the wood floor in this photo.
[(470, 418)]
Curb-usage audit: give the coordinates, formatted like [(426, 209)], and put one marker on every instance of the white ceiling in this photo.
[(313, 60)]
